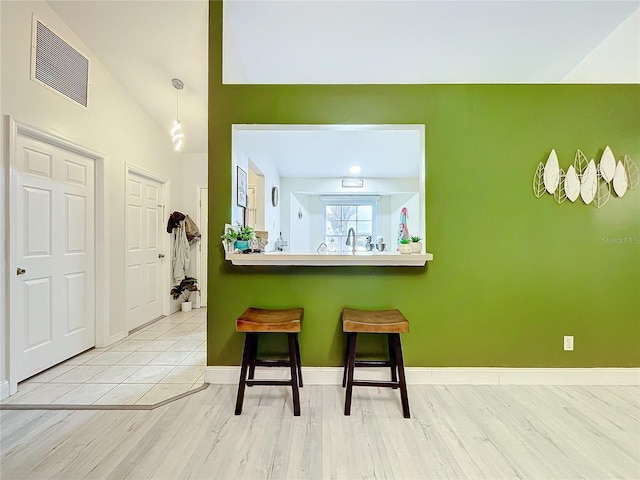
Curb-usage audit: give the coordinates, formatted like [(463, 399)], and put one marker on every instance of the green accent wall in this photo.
[(511, 273)]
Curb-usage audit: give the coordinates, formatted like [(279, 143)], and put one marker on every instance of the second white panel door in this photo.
[(144, 250)]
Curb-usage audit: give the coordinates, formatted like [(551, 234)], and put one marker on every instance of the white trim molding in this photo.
[(4, 389), (448, 375)]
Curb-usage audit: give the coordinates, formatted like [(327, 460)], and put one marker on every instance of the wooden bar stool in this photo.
[(255, 321), (389, 322)]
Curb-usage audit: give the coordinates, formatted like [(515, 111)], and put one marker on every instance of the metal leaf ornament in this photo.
[(603, 192), (589, 183), (580, 163), (633, 176), (551, 172), (620, 182), (560, 194), (538, 181), (572, 184), (607, 166)]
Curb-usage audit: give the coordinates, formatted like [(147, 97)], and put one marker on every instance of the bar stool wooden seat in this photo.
[(389, 322), (255, 321)]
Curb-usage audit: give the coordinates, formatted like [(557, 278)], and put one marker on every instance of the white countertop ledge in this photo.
[(391, 259)]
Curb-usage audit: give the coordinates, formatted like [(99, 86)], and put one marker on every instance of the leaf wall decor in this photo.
[(538, 181), (560, 194), (633, 176), (589, 183), (603, 192), (551, 172), (594, 183), (607, 165), (572, 184), (580, 163), (620, 180)]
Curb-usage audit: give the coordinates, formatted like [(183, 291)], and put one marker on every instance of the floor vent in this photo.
[(59, 66)]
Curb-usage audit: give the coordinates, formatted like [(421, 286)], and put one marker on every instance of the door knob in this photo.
[(161, 255), (21, 271)]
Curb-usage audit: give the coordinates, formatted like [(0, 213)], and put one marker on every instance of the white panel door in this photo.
[(54, 302), (144, 254), (203, 244)]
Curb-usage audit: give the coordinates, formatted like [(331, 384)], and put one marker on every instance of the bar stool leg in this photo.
[(392, 360), (293, 362), (351, 361), (249, 340), (253, 358), (403, 383), (345, 363), (299, 362)]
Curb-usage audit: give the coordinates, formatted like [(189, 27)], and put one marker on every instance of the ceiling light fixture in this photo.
[(355, 169), (177, 137)]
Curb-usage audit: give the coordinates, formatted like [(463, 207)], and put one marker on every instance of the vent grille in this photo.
[(60, 66)]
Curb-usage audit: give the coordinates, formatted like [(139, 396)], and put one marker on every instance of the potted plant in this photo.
[(405, 245), (245, 235), (184, 289), (416, 245), (229, 238), (237, 237)]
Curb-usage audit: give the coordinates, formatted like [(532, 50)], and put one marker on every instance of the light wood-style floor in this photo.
[(455, 432)]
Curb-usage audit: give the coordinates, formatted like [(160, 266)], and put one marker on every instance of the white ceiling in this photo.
[(147, 43), (390, 151), (421, 41)]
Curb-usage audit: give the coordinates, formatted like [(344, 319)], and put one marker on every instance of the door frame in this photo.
[(199, 267), (165, 240), (101, 264)]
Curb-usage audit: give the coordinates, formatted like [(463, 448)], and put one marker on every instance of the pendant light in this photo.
[(177, 137)]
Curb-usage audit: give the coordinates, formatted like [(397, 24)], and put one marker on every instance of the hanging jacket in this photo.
[(181, 255), (193, 233), (174, 219)]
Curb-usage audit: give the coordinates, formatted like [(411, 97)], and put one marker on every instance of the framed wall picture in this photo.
[(242, 188)]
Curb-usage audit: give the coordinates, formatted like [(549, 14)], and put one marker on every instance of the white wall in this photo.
[(305, 193), (299, 226), (615, 60), (114, 125)]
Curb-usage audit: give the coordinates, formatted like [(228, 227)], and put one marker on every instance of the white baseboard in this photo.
[(4, 390), (447, 376)]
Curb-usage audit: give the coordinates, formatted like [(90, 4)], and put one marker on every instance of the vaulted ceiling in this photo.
[(147, 43)]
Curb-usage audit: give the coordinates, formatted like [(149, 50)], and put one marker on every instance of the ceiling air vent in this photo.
[(59, 66)]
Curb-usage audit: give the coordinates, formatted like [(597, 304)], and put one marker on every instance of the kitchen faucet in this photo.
[(349, 242)]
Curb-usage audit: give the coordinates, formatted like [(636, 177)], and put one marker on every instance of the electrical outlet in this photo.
[(568, 343)]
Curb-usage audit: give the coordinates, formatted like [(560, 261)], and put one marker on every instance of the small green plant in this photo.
[(238, 233), (415, 239), (405, 241), (184, 289), (230, 235), (245, 233)]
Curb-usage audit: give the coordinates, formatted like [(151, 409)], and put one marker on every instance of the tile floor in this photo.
[(162, 360)]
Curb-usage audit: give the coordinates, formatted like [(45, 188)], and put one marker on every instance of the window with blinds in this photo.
[(59, 66)]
